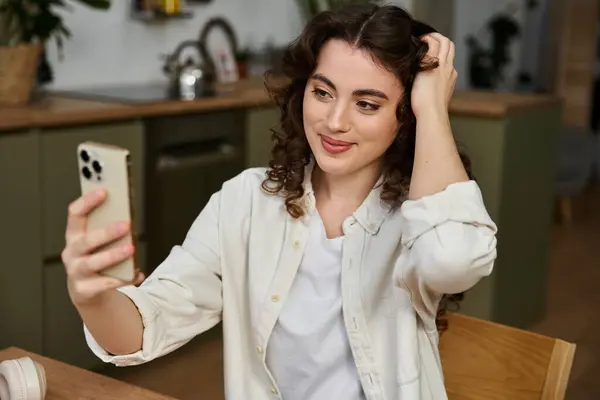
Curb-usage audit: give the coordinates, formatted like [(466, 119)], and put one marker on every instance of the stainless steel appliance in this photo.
[(188, 159)]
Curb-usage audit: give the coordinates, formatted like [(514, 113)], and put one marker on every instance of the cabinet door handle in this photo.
[(201, 157)]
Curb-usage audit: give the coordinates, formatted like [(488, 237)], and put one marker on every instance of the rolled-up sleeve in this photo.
[(181, 298), (450, 237)]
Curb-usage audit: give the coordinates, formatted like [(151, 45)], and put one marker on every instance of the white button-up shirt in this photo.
[(244, 249)]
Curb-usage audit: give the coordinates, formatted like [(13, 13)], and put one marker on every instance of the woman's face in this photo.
[(349, 110)]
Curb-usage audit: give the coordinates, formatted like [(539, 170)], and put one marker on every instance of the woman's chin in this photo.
[(334, 165)]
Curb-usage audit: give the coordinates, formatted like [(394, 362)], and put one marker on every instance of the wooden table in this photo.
[(66, 382)]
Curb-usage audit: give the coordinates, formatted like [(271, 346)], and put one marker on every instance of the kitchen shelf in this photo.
[(151, 15), (157, 14)]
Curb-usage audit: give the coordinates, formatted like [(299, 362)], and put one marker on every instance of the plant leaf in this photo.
[(38, 20), (65, 31)]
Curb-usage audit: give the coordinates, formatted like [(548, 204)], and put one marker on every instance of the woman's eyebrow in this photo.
[(370, 92), (357, 92), (324, 79)]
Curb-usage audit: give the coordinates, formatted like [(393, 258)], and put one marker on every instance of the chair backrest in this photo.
[(483, 360)]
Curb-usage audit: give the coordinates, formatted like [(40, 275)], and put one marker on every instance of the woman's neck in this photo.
[(351, 189), (339, 196)]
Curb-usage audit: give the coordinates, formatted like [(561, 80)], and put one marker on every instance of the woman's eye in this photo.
[(320, 93), (365, 105)]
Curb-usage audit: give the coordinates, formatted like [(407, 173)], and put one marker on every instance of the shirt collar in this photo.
[(371, 213)]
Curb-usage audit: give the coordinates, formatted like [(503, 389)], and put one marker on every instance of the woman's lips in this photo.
[(334, 146)]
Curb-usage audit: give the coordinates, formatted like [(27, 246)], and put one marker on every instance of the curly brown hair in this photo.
[(393, 38)]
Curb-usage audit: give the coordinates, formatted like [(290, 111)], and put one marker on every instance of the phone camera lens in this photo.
[(84, 156), (86, 172), (97, 167)]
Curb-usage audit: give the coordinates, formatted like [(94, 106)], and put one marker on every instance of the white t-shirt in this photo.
[(309, 353)]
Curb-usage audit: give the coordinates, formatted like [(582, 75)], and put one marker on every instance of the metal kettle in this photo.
[(190, 80)]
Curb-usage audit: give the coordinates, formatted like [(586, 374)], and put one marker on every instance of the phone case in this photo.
[(106, 166)]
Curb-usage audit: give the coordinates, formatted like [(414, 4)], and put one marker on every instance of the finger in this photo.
[(451, 93), (444, 46), (78, 211), (433, 44), (91, 265), (87, 243), (454, 77), (451, 54)]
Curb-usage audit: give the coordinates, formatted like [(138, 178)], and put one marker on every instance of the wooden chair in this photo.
[(487, 361)]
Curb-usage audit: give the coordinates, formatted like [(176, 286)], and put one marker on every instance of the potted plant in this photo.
[(26, 26)]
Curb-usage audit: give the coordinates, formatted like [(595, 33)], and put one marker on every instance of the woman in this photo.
[(327, 268)]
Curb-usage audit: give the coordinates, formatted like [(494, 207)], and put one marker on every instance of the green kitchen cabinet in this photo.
[(39, 178), (21, 274), (259, 122), (64, 339), (513, 160)]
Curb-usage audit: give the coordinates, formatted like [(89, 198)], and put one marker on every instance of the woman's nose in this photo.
[(338, 120)]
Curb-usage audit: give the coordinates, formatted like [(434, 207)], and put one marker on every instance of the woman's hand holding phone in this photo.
[(84, 256)]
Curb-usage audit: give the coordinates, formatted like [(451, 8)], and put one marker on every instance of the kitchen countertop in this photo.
[(498, 104), (55, 110)]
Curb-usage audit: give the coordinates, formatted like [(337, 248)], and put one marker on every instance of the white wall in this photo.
[(406, 4), (108, 48), (470, 16)]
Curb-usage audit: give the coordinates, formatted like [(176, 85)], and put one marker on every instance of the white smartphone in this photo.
[(107, 166)]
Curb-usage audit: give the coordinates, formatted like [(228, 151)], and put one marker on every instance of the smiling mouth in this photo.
[(334, 146)]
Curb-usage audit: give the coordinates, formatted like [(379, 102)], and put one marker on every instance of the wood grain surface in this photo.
[(66, 382)]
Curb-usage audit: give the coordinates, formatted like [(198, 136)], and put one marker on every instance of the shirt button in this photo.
[(259, 349), (297, 244), (273, 390), (275, 298)]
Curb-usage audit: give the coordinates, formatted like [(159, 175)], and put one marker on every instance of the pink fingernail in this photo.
[(127, 250), (122, 227)]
